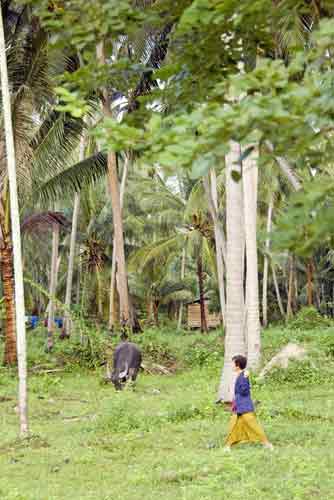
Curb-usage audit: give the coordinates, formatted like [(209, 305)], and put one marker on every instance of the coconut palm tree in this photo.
[(235, 302), (210, 184), (7, 275), (181, 227), (53, 285), (266, 262), (71, 258), (16, 235), (159, 286), (113, 292), (44, 139), (250, 191)]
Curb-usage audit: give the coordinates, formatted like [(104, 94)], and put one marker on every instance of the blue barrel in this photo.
[(59, 322), (34, 321)]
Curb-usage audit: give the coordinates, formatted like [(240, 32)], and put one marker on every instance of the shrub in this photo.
[(327, 343), (298, 373), (46, 384), (182, 348), (308, 318), (204, 353), (88, 352), (157, 351)]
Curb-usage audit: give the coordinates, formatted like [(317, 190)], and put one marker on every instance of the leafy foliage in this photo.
[(309, 318)]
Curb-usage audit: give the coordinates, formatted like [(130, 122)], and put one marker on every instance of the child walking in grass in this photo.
[(244, 426)]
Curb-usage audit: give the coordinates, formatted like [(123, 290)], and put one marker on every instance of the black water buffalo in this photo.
[(127, 361)]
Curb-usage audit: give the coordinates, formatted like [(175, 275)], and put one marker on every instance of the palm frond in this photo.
[(135, 225), (152, 50), (73, 179), (294, 21), (177, 296), (54, 144), (194, 241), (156, 253), (195, 202), (209, 259), (160, 200)]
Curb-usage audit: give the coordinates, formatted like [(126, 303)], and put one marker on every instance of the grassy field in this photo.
[(165, 439)]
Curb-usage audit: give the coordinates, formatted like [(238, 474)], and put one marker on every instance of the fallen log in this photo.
[(54, 370), (4, 399), (155, 368)]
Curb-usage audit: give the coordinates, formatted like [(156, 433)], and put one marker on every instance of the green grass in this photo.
[(165, 439)]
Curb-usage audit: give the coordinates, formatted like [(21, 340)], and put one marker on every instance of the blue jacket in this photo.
[(243, 402)]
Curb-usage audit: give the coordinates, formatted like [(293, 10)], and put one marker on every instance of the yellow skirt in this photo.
[(245, 428)]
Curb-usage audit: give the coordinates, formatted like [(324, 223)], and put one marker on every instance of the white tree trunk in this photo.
[(250, 184), (16, 237), (266, 263), (183, 269), (112, 288), (234, 336), (278, 295), (113, 264), (212, 196), (59, 259), (71, 258), (99, 298), (291, 287), (53, 286), (77, 294)]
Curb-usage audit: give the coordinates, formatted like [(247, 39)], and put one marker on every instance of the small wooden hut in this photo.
[(194, 315)]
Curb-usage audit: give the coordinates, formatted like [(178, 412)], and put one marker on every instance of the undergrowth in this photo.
[(309, 318), (93, 347)]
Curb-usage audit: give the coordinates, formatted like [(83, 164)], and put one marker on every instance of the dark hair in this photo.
[(240, 361)]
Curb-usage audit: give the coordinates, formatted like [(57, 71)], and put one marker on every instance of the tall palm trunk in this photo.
[(77, 293), (84, 291), (295, 183), (183, 269), (204, 325), (7, 274), (150, 312), (16, 237), (291, 288), (295, 295), (316, 288), (310, 272), (212, 196), (99, 299), (156, 312), (119, 240), (266, 264), (113, 292), (278, 294), (250, 185), (71, 258), (116, 210), (53, 287), (234, 337), (59, 259)]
